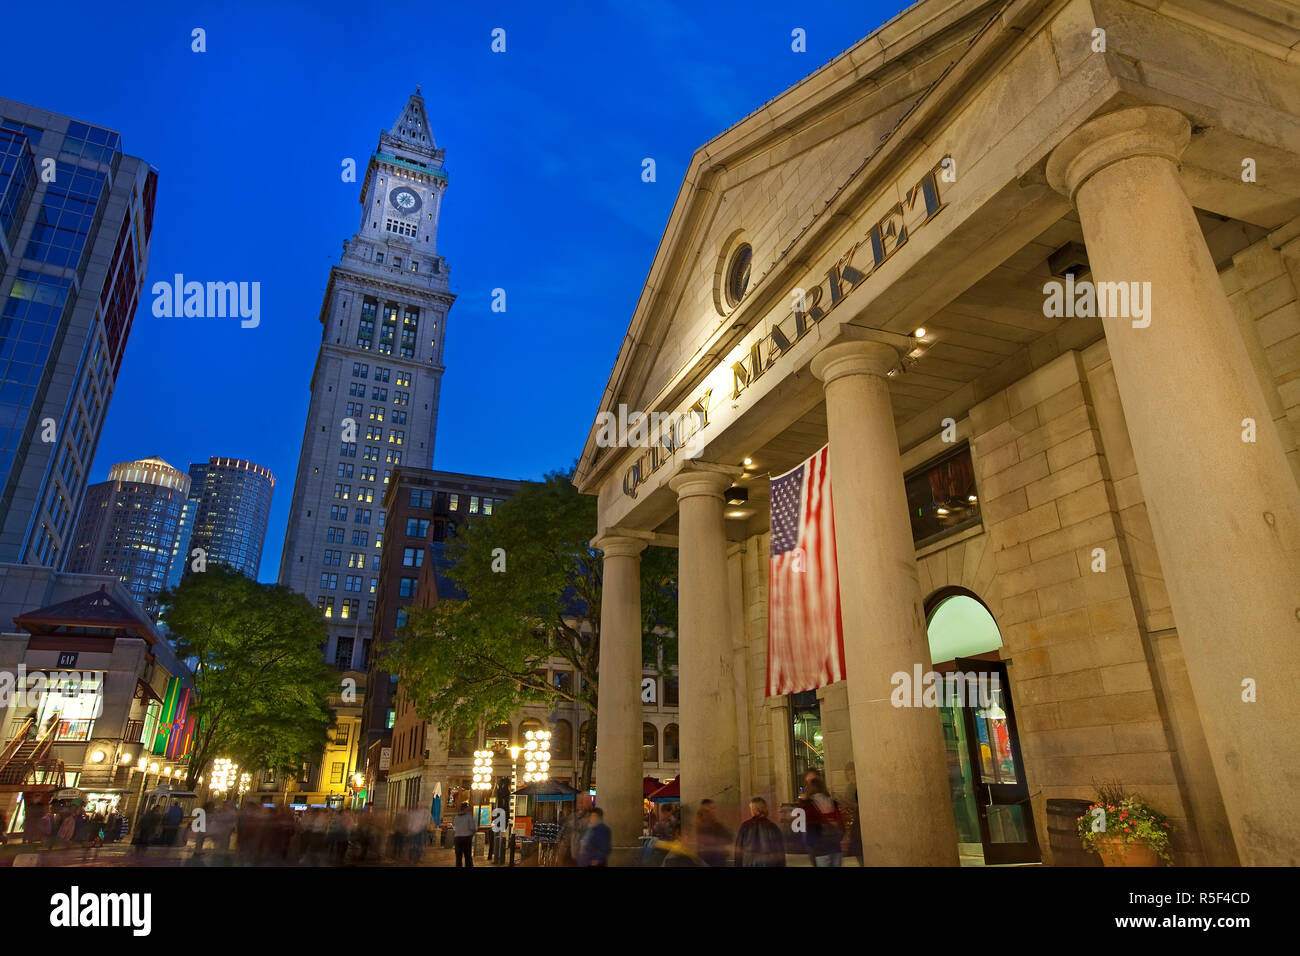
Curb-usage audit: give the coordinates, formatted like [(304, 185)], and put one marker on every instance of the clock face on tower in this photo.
[(405, 199)]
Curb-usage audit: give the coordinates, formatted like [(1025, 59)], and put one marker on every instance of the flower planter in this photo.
[(1115, 852)]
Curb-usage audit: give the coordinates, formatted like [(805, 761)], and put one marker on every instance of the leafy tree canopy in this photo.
[(262, 685), (532, 586)]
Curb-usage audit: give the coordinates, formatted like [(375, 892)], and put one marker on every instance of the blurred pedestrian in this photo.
[(712, 839), (596, 841), (463, 828), (172, 823), (566, 843), (823, 824), (854, 811), (759, 841)]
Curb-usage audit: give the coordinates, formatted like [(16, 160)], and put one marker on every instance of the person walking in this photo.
[(758, 840), (823, 824), (712, 839), (596, 841), (463, 828), (172, 823)]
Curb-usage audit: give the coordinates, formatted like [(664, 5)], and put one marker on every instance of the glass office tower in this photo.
[(128, 527), (75, 220)]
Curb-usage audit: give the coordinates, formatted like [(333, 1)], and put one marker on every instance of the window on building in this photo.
[(498, 737), (359, 370), (670, 692), (562, 741), (328, 582), (343, 654), (400, 228), (941, 497), (672, 747), (473, 504), (406, 587), (649, 743), (413, 557), (417, 527)]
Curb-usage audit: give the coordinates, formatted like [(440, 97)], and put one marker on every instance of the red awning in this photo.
[(670, 791), (649, 785)]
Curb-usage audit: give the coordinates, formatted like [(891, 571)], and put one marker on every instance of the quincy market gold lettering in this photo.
[(883, 239), (681, 434)]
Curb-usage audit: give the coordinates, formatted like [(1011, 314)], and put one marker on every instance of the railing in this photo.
[(17, 736)]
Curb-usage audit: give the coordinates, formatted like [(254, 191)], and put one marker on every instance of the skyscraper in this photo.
[(128, 527), (75, 221), (374, 402), (231, 504)]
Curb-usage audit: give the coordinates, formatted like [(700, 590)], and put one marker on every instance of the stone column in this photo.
[(618, 725), (1225, 512), (902, 769), (780, 729), (710, 746)]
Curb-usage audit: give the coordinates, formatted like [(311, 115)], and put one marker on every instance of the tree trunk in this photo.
[(589, 756)]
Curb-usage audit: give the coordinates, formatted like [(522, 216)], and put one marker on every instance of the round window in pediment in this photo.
[(737, 275)]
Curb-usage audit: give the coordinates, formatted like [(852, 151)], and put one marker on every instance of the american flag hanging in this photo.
[(805, 637)]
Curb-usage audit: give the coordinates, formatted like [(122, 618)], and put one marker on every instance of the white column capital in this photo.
[(854, 358), (702, 482), (1101, 142), (619, 546)]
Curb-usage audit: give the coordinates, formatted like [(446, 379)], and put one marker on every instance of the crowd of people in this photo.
[(255, 835), (818, 826)]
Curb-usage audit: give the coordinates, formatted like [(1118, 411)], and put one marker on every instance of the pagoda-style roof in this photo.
[(85, 615)]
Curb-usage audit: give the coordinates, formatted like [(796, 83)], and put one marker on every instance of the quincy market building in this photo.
[(1104, 509)]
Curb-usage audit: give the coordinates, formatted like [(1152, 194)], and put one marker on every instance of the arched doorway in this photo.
[(990, 796)]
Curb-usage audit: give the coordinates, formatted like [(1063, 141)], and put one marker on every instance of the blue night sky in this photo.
[(544, 148)]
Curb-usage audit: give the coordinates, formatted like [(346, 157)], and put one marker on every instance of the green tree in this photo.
[(261, 684), (532, 584)]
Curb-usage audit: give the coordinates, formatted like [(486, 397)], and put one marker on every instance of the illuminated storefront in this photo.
[(97, 701)]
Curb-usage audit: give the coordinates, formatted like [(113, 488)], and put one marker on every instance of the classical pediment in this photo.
[(763, 184)]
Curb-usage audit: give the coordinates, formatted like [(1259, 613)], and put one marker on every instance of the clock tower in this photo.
[(375, 386)]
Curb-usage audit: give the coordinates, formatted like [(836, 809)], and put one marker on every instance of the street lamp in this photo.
[(537, 755)]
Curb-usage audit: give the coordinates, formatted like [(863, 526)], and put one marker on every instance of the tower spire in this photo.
[(412, 125)]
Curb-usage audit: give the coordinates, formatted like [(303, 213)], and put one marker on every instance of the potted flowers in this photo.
[(1124, 831)]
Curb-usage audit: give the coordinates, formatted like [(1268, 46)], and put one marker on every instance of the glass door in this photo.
[(1006, 821)]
